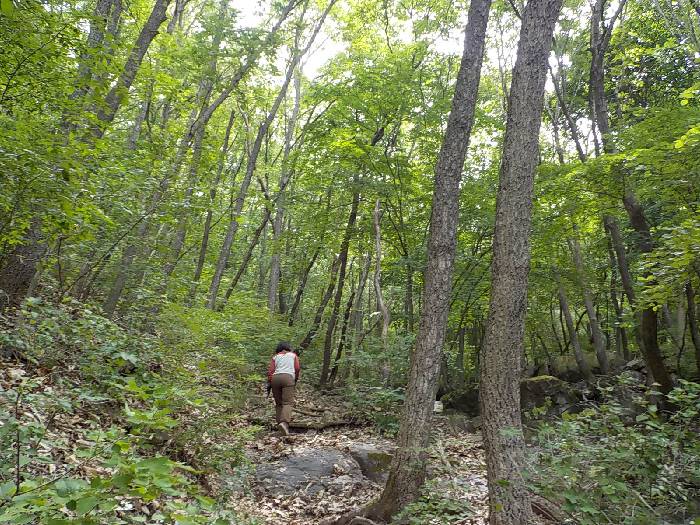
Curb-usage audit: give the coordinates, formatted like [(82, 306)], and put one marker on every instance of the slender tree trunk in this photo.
[(408, 467), (342, 339), (210, 210), (573, 336), (248, 254), (275, 261), (311, 334), (649, 320), (118, 92), (343, 258), (381, 304), (409, 299), (596, 332), (693, 322), (499, 386), (252, 162), (620, 332), (600, 35), (356, 320), (302, 286)]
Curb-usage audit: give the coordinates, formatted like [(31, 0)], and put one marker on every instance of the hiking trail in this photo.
[(333, 462)]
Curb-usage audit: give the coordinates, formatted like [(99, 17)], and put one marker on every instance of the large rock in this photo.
[(555, 395), (374, 461), (310, 471), (465, 400), (549, 393)]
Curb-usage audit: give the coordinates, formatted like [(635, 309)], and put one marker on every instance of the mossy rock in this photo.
[(374, 461), (547, 391)]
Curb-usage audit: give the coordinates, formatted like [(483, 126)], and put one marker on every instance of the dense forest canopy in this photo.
[(430, 199)]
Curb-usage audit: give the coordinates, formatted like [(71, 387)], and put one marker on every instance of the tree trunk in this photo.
[(499, 386), (118, 93), (649, 320), (253, 158), (600, 35), (573, 336), (408, 467), (247, 256), (596, 332), (309, 337), (19, 266), (302, 286), (620, 332), (343, 258), (275, 261), (210, 210), (343, 336), (693, 322), (356, 320)]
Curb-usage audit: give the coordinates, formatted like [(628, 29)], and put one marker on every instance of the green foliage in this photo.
[(113, 468), (379, 405), (434, 507), (624, 463)]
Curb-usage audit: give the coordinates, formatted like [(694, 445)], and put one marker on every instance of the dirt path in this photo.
[(319, 473)]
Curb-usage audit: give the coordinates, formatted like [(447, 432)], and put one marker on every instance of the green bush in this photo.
[(606, 465), (113, 426)]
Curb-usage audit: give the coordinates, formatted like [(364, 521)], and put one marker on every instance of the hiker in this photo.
[(282, 376)]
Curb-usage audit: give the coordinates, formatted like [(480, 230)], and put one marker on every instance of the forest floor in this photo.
[(332, 464)]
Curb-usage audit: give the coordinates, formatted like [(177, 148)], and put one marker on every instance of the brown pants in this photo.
[(283, 391)]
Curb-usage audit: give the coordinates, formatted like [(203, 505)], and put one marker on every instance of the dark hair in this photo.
[(282, 346)]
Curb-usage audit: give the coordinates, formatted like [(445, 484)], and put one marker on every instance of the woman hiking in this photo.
[(282, 376)]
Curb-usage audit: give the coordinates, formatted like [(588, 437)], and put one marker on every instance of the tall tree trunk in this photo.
[(408, 306), (252, 162), (248, 254), (356, 319), (342, 338), (275, 261), (499, 386), (343, 258), (311, 334), (408, 467), (620, 332), (381, 304), (693, 322), (573, 336), (17, 268), (600, 35), (302, 286), (649, 319), (210, 209), (596, 332), (118, 92)]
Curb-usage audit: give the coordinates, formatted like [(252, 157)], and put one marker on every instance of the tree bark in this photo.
[(499, 387), (118, 93), (248, 254), (275, 261), (343, 258), (621, 341), (649, 319), (596, 332), (693, 322), (311, 334), (252, 161), (408, 467), (302, 286), (600, 35), (210, 210), (573, 336)]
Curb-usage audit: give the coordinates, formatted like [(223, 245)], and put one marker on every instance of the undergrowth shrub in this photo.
[(102, 425), (606, 465)]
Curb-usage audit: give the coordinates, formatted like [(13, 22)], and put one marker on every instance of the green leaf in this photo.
[(85, 505)]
